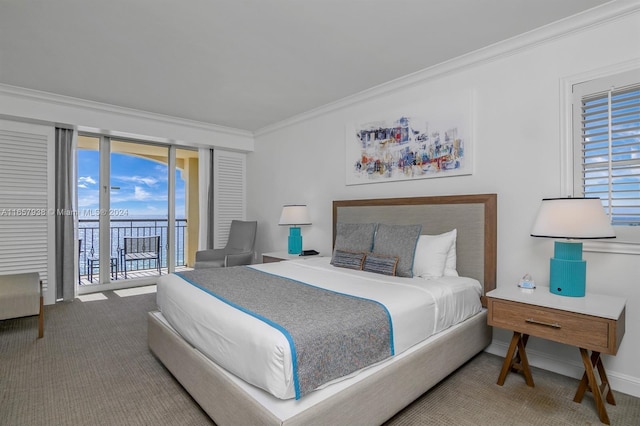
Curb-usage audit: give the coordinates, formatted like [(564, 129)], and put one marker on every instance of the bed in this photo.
[(378, 392)]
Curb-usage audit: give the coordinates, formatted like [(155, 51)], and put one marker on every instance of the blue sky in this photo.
[(142, 186)]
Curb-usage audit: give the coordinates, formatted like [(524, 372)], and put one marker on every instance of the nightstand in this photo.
[(278, 256), (593, 323)]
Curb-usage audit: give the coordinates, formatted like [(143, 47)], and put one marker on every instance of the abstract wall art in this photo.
[(429, 140)]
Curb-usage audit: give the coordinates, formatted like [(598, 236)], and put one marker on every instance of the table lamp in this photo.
[(295, 215), (570, 219)]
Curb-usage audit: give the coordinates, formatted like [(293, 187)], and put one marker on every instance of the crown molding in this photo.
[(68, 101), (601, 15)]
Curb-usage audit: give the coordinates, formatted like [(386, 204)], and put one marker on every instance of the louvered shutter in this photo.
[(26, 201), (610, 138), (229, 192)]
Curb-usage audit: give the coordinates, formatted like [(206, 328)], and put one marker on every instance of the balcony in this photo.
[(88, 235)]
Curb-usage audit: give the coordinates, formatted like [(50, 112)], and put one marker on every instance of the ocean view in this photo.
[(120, 228)]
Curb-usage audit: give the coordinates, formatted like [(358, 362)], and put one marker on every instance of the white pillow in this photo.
[(436, 255), (451, 265)]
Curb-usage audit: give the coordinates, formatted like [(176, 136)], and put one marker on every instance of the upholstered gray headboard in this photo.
[(474, 216)]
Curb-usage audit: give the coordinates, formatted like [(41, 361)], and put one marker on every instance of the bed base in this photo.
[(372, 400)]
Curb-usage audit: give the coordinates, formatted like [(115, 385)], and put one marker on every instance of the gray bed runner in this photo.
[(330, 334)]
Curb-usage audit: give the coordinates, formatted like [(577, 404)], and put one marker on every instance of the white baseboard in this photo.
[(619, 382)]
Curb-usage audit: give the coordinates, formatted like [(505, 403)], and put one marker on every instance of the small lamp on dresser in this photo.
[(295, 215), (570, 219)]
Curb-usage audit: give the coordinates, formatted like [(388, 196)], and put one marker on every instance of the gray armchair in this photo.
[(238, 251)]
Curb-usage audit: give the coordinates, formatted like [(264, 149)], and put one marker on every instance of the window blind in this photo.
[(229, 193), (25, 206), (610, 133)]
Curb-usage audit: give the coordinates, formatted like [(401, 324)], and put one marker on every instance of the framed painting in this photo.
[(428, 140)]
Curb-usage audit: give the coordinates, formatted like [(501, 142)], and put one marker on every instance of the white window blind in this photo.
[(229, 193), (610, 133), (26, 217), (606, 135)]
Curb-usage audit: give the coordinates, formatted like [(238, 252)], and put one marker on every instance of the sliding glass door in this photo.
[(133, 213)]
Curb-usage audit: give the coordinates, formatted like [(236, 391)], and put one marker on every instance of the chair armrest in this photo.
[(209, 255), (237, 259)]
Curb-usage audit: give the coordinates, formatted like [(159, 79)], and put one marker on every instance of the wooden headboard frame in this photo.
[(474, 216)]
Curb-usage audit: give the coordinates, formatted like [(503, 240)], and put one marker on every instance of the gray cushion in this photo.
[(385, 265), (219, 263), (398, 240), (347, 259), (19, 295), (354, 237)]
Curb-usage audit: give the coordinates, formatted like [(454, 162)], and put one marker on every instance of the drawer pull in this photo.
[(548, 324)]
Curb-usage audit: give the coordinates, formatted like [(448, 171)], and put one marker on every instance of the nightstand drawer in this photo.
[(584, 331)]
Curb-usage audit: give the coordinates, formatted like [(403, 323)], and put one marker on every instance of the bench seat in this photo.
[(138, 249), (21, 296)]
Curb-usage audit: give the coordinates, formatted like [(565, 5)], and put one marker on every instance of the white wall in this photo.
[(517, 150)]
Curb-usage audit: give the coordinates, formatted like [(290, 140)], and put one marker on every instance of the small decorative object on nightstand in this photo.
[(593, 323), (527, 282)]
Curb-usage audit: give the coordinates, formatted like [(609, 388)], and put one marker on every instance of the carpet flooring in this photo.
[(93, 367)]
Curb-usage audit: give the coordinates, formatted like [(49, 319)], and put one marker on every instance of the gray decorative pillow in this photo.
[(347, 259), (356, 237), (398, 240), (385, 265)]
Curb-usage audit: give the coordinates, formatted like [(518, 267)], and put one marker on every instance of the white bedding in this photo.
[(260, 354)]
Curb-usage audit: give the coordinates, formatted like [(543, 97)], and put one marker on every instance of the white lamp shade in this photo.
[(295, 215), (572, 218)]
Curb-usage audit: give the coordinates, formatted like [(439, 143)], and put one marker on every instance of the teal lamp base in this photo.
[(568, 270), (295, 240)]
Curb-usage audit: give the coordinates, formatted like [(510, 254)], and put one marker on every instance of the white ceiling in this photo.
[(246, 63)]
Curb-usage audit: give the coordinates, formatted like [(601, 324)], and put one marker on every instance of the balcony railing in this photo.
[(89, 237)]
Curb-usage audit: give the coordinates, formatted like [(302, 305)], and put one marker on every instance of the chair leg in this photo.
[(41, 315)]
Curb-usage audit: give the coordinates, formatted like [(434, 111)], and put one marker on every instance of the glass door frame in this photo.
[(104, 209), (104, 275)]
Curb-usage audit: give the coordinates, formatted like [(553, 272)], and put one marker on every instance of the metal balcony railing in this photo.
[(89, 237)]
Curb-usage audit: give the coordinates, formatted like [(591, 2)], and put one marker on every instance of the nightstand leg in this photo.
[(516, 359), (590, 383)]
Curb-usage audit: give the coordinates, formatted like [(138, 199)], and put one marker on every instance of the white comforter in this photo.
[(260, 354)]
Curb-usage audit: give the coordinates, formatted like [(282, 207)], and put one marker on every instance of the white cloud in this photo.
[(88, 201), (84, 180), (146, 180), (140, 194)]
